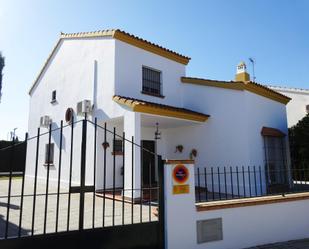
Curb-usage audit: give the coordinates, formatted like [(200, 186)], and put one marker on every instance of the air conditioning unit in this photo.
[(45, 121), (84, 107)]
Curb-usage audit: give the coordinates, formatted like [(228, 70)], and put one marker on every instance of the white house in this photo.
[(298, 107), (137, 86)]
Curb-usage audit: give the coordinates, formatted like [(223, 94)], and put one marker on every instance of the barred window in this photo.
[(118, 146), (54, 96), (49, 153), (151, 81)]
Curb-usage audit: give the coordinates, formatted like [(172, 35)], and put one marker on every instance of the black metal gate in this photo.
[(58, 203)]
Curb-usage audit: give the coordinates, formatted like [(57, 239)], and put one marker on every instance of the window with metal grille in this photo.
[(118, 146), (54, 96), (151, 81), (49, 154)]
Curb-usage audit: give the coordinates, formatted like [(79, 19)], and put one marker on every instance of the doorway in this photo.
[(148, 163)]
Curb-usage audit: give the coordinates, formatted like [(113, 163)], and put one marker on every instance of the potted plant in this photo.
[(105, 145), (179, 148), (193, 153)]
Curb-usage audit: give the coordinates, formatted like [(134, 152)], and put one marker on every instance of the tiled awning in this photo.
[(143, 106), (272, 132)]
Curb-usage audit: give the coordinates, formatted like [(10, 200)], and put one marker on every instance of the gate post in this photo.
[(161, 203), (180, 204), (82, 175)]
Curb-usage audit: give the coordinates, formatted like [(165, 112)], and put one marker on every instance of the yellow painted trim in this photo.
[(142, 107), (132, 40), (245, 202), (179, 161), (122, 36), (228, 85), (100, 33), (244, 76), (241, 86), (150, 47), (267, 93), (169, 113), (129, 103)]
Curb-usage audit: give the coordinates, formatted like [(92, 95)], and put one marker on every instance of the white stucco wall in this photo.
[(231, 136), (262, 112), (242, 226), (79, 69), (258, 225), (98, 68), (296, 108), (85, 69), (129, 61)]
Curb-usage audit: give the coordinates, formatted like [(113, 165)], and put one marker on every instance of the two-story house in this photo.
[(141, 88)]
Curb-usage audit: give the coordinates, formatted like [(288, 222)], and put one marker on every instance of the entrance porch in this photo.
[(135, 165)]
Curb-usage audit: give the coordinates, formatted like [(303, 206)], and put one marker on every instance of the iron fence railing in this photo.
[(81, 187), (225, 183)]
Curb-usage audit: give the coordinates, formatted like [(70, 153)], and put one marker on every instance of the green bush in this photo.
[(299, 143)]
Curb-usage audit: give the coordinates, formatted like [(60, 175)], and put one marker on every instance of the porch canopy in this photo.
[(140, 114), (143, 106)]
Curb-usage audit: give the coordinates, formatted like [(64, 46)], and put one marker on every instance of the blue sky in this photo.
[(215, 34)]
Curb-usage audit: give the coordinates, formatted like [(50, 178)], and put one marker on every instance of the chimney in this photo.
[(241, 73)]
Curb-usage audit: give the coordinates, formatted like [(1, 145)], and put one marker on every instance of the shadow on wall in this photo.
[(98, 113), (56, 136)]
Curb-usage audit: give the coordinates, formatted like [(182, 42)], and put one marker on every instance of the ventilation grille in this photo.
[(209, 230)]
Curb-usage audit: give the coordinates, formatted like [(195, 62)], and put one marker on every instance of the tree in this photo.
[(299, 143), (2, 64)]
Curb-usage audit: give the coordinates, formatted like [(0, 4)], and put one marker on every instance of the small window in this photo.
[(118, 146), (49, 154), (54, 96), (152, 82), (307, 109)]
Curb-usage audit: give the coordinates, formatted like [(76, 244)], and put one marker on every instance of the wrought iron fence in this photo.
[(61, 190), (225, 183)]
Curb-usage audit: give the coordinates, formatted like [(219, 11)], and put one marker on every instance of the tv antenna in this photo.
[(13, 134), (252, 60)]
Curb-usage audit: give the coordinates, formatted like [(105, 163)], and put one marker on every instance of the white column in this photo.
[(132, 127), (179, 208)]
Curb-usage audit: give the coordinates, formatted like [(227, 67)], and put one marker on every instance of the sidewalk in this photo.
[(294, 244)]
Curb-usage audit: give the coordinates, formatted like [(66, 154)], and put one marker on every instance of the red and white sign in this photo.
[(180, 179)]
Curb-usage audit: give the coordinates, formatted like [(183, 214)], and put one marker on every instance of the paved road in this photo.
[(295, 244)]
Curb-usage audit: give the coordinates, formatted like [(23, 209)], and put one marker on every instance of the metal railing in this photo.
[(58, 196), (151, 87), (226, 183)]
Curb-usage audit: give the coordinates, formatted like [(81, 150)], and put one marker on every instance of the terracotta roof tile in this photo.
[(272, 132), (117, 33), (132, 102), (122, 36), (240, 85)]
